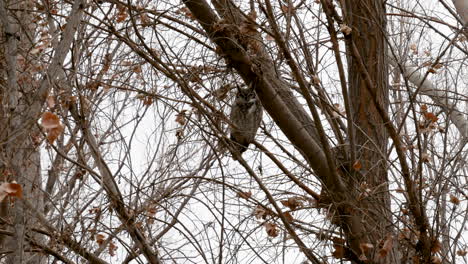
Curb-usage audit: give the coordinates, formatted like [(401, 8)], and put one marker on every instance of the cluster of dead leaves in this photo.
[(432, 68), (97, 212), (52, 126), (146, 99), (271, 229), (261, 212), (454, 199), (293, 203), (181, 119), (428, 122), (265, 213), (384, 248), (150, 214), (111, 247), (121, 14)]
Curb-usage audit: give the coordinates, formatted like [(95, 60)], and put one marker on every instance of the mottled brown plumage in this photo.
[(246, 115)]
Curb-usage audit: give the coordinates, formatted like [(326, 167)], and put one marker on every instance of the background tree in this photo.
[(361, 155)]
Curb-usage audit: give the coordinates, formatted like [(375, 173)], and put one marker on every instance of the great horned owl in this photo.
[(246, 115)]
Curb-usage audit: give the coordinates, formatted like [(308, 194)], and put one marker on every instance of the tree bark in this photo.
[(22, 103), (366, 18), (19, 157)]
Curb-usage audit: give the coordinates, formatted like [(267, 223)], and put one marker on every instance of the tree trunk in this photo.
[(366, 18), (19, 157)]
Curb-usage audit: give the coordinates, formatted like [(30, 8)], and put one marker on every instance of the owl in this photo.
[(246, 115)]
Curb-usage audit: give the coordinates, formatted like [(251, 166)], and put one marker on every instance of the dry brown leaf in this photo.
[(145, 20), (112, 247), (10, 189), (95, 210), (151, 211), (261, 212), (50, 120), (363, 257), (404, 211), (338, 244), (54, 133), (423, 108), (93, 85), (288, 216), (386, 247), (430, 117), (292, 203), (180, 133), (462, 38), (345, 29), (139, 224), (436, 260), (365, 247), (244, 195), (454, 199), (414, 48), (462, 253), (122, 14), (425, 157), (186, 12), (36, 138), (436, 246), (136, 69), (357, 165), (100, 238), (147, 100), (339, 252), (180, 117), (271, 229), (405, 234), (51, 101)]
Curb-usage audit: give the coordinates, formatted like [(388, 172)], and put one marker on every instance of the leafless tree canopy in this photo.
[(115, 128)]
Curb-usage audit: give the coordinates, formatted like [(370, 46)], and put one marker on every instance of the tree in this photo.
[(361, 157)]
